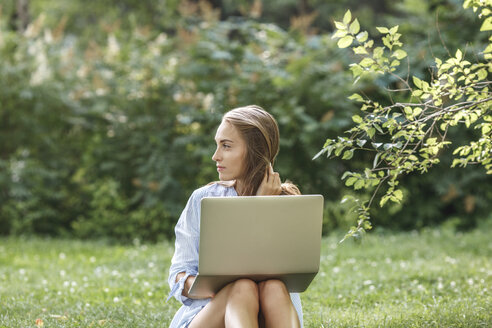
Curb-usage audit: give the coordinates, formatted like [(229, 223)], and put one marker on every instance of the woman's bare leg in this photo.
[(242, 305), (235, 305), (276, 305)]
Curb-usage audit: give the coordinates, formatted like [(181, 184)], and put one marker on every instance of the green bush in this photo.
[(106, 130)]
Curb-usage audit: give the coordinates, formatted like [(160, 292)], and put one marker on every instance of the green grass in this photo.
[(429, 279)]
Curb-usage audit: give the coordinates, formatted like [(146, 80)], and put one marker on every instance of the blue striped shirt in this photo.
[(185, 257)]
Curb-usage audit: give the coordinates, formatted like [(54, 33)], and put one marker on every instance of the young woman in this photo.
[(247, 144)]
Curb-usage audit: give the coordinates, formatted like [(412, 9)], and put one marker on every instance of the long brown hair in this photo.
[(260, 132)]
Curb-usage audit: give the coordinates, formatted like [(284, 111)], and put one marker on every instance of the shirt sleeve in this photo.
[(185, 258)]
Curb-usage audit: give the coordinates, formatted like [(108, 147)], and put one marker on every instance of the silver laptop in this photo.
[(260, 238)]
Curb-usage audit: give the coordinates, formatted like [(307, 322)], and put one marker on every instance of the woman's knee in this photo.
[(272, 293), (244, 288)]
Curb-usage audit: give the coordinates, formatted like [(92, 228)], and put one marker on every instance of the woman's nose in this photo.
[(215, 156)]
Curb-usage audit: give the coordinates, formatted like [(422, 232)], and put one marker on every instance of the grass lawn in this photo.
[(428, 279)]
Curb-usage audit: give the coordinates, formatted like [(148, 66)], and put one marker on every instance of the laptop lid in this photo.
[(251, 235)]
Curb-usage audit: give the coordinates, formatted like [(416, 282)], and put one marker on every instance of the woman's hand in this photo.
[(271, 184), (187, 285)]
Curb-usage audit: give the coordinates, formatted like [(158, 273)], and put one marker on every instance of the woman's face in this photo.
[(231, 152)]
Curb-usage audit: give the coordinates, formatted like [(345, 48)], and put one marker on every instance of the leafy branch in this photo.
[(410, 136)]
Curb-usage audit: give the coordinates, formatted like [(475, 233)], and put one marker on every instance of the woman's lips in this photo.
[(220, 168)]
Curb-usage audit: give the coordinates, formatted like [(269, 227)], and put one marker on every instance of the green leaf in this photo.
[(482, 74), (387, 42), (372, 182), (362, 36), (398, 194), (350, 181), (357, 119), (399, 54), (383, 201), (354, 27), (366, 62), (339, 34), (328, 142), (431, 141), (378, 128), (486, 128), (383, 30), (348, 154), (339, 150), (340, 25), (375, 162), (345, 41), (359, 184), (488, 49), (417, 82), (347, 17), (457, 161), (459, 54), (356, 70), (378, 52), (356, 97), (393, 30), (321, 152), (395, 63), (345, 174), (487, 24), (387, 146)]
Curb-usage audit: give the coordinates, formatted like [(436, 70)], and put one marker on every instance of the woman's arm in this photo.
[(185, 259), (187, 285), (184, 264)]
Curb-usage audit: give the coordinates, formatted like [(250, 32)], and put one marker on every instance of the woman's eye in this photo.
[(226, 146)]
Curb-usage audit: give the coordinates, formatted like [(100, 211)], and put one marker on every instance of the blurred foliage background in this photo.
[(108, 109)]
